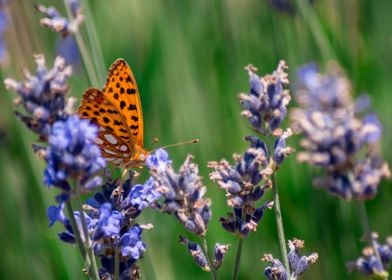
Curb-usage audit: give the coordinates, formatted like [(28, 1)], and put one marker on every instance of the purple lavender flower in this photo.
[(72, 154), (3, 27), (244, 183), (265, 104), (43, 95), (60, 24), (109, 223), (220, 251), (197, 253), (182, 192), (298, 263), (142, 196), (369, 265), (111, 227), (336, 138), (131, 244), (68, 49)]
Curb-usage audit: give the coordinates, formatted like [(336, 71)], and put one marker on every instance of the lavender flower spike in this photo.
[(245, 183), (183, 192), (43, 95), (336, 135), (265, 104), (73, 154), (369, 265), (298, 263), (58, 23)]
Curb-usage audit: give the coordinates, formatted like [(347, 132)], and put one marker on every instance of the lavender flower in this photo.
[(43, 95), (110, 217), (220, 251), (71, 154), (335, 135), (244, 183), (298, 263), (369, 265), (197, 253), (60, 24), (68, 49), (265, 104), (182, 192), (3, 27)]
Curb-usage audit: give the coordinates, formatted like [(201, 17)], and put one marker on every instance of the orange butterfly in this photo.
[(118, 113)]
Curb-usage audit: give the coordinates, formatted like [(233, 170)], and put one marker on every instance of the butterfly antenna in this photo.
[(154, 141), (178, 144)]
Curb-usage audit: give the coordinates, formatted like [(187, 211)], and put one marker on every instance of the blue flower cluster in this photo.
[(244, 184), (3, 27), (72, 154), (43, 95), (246, 181), (183, 196), (60, 24), (265, 104), (199, 256), (183, 192), (335, 135), (110, 218), (298, 263), (369, 264)]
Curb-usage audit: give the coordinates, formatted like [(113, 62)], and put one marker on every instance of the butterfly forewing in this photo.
[(117, 111), (121, 89)]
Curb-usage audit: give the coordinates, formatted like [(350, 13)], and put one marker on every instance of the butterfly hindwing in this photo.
[(114, 136)]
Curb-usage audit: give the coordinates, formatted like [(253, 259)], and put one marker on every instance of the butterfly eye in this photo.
[(142, 157)]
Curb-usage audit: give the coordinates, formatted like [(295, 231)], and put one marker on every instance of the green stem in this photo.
[(94, 44), (116, 264), (310, 18), (278, 211), (237, 259), (93, 268), (210, 262), (279, 225), (367, 229), (87, 61), (75, 229)]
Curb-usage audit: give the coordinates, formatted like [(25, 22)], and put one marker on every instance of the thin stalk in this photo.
[(366, 228), (116, 264), (87, 61), (237, 259), (205, 249), (279, 225), (94, 43), (278, 211), (309, 16), (75, 229), (93, 268)]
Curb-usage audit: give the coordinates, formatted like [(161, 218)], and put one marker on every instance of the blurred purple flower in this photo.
[(335, 136)]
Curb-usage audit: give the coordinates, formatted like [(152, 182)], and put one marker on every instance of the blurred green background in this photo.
[(188, 58)]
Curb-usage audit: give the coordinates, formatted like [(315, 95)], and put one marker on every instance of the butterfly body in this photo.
[(117, 111)]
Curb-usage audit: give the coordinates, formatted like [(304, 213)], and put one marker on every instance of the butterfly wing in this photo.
[(122, 91), (114, 136)]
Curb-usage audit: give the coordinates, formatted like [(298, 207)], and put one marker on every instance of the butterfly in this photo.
[(117, 111)]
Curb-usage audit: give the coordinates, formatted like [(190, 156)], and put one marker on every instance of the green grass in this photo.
[(188, 58)]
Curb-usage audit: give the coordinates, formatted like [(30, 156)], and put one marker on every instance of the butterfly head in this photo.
[(138, 158)]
